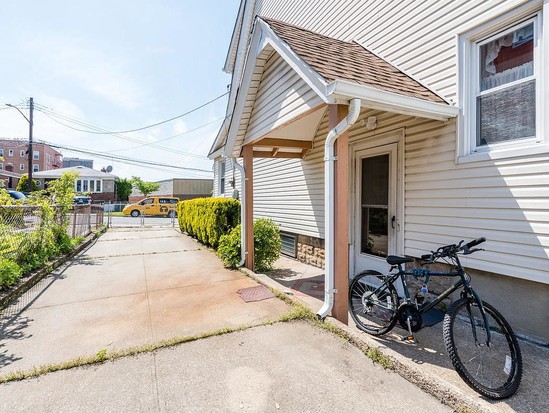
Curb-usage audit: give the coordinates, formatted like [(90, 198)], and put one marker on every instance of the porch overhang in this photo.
[(335, 72), (373, 98)]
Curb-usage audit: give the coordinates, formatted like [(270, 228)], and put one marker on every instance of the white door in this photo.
[(376, 213)]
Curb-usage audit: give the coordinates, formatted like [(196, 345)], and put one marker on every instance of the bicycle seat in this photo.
[(396, 260)]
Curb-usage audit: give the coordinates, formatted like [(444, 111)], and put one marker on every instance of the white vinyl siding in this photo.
[(282, 95), (505, 201), (392, 29), (291, 191), (230, 173)]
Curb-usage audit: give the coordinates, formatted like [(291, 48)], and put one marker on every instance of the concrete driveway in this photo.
[(132, 287)]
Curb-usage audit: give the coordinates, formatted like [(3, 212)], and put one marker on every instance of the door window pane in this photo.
[(375, 205)]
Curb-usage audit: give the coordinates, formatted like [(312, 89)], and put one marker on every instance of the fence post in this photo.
[(74, 222), (89, 209)]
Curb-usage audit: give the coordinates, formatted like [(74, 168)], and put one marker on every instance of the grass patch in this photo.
[(297, 312)]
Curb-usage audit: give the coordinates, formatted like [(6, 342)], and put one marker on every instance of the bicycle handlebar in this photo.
[(453, 249), (475, 242)]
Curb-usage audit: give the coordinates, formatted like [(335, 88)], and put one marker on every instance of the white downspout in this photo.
[(242, 212), (329, 192), (242, 208)]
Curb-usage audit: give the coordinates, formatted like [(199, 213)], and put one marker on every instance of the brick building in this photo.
[(15, 154)]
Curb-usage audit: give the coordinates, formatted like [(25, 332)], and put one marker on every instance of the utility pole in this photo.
[(31, 155)]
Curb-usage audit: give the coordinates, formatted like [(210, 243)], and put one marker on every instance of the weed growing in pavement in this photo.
[(378, 357), (101, 355)]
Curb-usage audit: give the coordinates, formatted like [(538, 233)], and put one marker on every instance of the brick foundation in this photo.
[(310, 250)]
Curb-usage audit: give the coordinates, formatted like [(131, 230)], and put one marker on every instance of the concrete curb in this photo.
[(437, 387), (34, 277)]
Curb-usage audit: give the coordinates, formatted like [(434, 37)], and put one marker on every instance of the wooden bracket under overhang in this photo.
[(281, 148)]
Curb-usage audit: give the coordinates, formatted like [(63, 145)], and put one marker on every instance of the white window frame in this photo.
[(1, 152), (21, 153), (21, 166), (36, 168), (36, 155), (10, 152), (468, 84), (84, 185), (1, 166), (222, 173)]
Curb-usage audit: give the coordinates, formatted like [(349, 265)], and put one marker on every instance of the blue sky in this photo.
[(118, 65)]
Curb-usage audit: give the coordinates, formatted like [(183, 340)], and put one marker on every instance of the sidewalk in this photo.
[(425, 362)]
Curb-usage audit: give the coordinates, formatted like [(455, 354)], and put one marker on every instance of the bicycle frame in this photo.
[(423, 308)]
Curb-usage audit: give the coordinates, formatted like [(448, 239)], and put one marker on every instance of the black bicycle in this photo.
[(479, 341)]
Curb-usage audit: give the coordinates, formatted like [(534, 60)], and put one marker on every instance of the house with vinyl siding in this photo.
[(371, 128)]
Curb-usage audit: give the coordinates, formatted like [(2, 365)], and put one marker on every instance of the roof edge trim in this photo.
[(390, 101)]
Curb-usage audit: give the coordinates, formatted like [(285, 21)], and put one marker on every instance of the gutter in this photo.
[(329, 190), (390, 101)]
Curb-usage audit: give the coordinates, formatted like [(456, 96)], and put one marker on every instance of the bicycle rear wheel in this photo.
[(493, 370), (374, 311)]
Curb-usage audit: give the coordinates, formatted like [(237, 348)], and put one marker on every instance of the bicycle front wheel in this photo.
[(492, 368), (373, 308)]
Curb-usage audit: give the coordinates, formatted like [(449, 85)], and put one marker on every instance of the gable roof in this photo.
[(335, 59), (335, 70), (83, 171)]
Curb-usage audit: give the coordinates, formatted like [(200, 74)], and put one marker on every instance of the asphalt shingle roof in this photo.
[(338, 60)]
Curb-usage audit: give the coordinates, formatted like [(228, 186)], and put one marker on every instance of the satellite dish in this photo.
[(109, 169)]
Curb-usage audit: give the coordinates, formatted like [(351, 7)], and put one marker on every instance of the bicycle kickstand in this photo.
[(410, 336)]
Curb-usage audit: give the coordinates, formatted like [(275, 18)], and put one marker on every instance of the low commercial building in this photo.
[(179, 188)]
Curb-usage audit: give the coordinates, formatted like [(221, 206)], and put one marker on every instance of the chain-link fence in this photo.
[(17, 224), (84, 218), (20, 225)]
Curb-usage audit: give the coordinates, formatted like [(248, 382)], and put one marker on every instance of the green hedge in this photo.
[(207, 219)]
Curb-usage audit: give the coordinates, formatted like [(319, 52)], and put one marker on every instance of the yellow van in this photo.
[(155, 205)]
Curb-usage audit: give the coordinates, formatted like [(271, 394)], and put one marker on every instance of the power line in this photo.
[(158, 123), (127, 138), (132, 161), (174, 136)]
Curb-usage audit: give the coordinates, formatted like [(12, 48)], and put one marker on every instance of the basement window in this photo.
[(289, 244)]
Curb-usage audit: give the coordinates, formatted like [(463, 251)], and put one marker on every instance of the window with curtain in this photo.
[(506, 101)]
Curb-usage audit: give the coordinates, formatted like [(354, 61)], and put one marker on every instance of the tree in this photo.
[(124, 188), (23, 184), (144, 187), (62, 190)]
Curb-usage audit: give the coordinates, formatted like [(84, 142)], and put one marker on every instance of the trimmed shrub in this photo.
[(229, 248), (266, 242), (10, 273), (207, 219)]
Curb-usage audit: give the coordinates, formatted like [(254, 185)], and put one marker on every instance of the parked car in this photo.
[(16, 195), (82, 200), (153, 206)]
